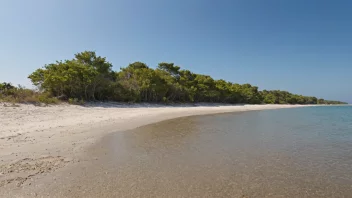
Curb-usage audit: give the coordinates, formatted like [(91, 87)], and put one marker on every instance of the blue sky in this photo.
[(301, 46)]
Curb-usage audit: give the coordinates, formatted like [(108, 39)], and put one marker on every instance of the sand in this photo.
[(38, 140)]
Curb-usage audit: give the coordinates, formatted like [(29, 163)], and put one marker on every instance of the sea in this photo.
[(298, 152)]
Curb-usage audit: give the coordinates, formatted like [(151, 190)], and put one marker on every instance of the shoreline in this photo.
[(40, 140)]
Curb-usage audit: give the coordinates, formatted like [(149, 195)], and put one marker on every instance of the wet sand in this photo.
[(36, 141), (205, 156)]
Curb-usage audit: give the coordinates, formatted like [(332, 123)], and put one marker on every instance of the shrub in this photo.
[(47, 99), (76, 101), (20, 94)]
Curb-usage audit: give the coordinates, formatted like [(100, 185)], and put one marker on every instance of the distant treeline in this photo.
[(89, 77)]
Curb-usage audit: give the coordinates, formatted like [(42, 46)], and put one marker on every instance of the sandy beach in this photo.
[(38, 140)]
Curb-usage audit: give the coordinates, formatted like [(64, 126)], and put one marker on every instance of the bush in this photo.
[(76, 101), (165, 99), (20, 94), (47, 99)]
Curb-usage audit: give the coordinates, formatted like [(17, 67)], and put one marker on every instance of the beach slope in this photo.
[(38, 140)]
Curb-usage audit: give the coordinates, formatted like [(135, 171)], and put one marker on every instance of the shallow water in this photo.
[(303, 152)]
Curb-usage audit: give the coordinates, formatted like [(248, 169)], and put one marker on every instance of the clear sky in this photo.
[(301, 46)]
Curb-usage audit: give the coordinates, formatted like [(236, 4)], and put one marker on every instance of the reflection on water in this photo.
[(280, 153)]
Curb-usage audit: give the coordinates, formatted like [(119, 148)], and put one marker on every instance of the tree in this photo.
[(87, 76), (90, 77)]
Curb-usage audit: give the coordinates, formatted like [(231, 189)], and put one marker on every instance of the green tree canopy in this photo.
[(90, 77)]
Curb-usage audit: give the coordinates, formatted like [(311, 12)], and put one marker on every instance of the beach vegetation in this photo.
[(20, 94), (89, 77)]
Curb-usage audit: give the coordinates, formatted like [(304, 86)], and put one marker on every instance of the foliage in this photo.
[(90, 77), (87, 76), (10, 93), (284, 97), (47, 99), (75, 101)]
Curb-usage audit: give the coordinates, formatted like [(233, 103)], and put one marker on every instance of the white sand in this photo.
[(35, 140)]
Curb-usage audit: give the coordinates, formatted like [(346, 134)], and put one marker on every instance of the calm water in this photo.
[(303, 152)]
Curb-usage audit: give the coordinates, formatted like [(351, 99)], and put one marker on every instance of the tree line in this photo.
[(90, 77)]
